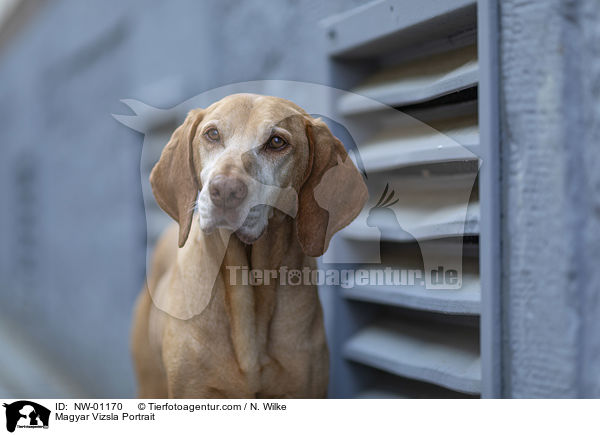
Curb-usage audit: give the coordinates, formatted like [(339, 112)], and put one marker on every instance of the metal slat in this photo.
[(400, 26), (382, 159), (380, 394), (388, 386), (447, 140), (446, 355), (466, 300), (418, 222), (415, 82)]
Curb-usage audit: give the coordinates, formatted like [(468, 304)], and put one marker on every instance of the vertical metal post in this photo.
[(490, 198)]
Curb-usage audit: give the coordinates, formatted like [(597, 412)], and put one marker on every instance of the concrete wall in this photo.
[(72, 219), (550, 91)]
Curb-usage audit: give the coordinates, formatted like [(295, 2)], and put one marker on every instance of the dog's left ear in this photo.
[(333, 193), (174, 180)]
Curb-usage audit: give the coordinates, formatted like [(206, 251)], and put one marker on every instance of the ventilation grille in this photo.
[(407, 340)]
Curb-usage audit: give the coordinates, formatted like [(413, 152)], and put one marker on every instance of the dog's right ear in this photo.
[(174, 180)]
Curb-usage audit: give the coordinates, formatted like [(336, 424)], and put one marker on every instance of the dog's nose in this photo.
[(226, 191)]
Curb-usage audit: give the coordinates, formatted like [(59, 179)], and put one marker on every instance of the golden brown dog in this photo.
[(253, 182)]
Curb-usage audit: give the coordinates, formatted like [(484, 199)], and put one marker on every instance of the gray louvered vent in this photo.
[(420, 58)]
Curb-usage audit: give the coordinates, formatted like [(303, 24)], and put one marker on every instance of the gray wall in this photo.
[(72, 223), (550, 91)]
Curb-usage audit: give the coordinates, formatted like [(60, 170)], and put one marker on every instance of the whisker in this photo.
[(193, 206)]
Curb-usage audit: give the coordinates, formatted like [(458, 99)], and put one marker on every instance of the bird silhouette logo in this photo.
[(387, 216)]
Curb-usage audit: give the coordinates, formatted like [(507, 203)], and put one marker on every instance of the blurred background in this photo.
[(72, 224), (515, 83)]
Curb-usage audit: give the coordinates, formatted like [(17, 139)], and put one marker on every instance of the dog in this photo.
[(246, 181)]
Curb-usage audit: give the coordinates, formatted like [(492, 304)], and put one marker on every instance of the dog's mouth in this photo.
[(253, 227), (212, 218), (253, 216)]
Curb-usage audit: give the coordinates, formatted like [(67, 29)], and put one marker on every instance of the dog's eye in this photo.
[(212, 134), (276, 142)]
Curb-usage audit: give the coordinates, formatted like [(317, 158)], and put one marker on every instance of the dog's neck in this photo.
[(250, 311), (251, 308)]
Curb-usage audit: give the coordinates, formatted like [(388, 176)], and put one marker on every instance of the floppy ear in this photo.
[(332, 195), (174, 180)]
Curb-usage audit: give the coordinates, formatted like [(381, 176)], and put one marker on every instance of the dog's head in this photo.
[(234, 162)]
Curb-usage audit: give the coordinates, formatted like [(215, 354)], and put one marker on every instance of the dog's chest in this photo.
[(258, 346)]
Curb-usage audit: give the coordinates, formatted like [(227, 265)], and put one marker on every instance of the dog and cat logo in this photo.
[(25, 414)]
